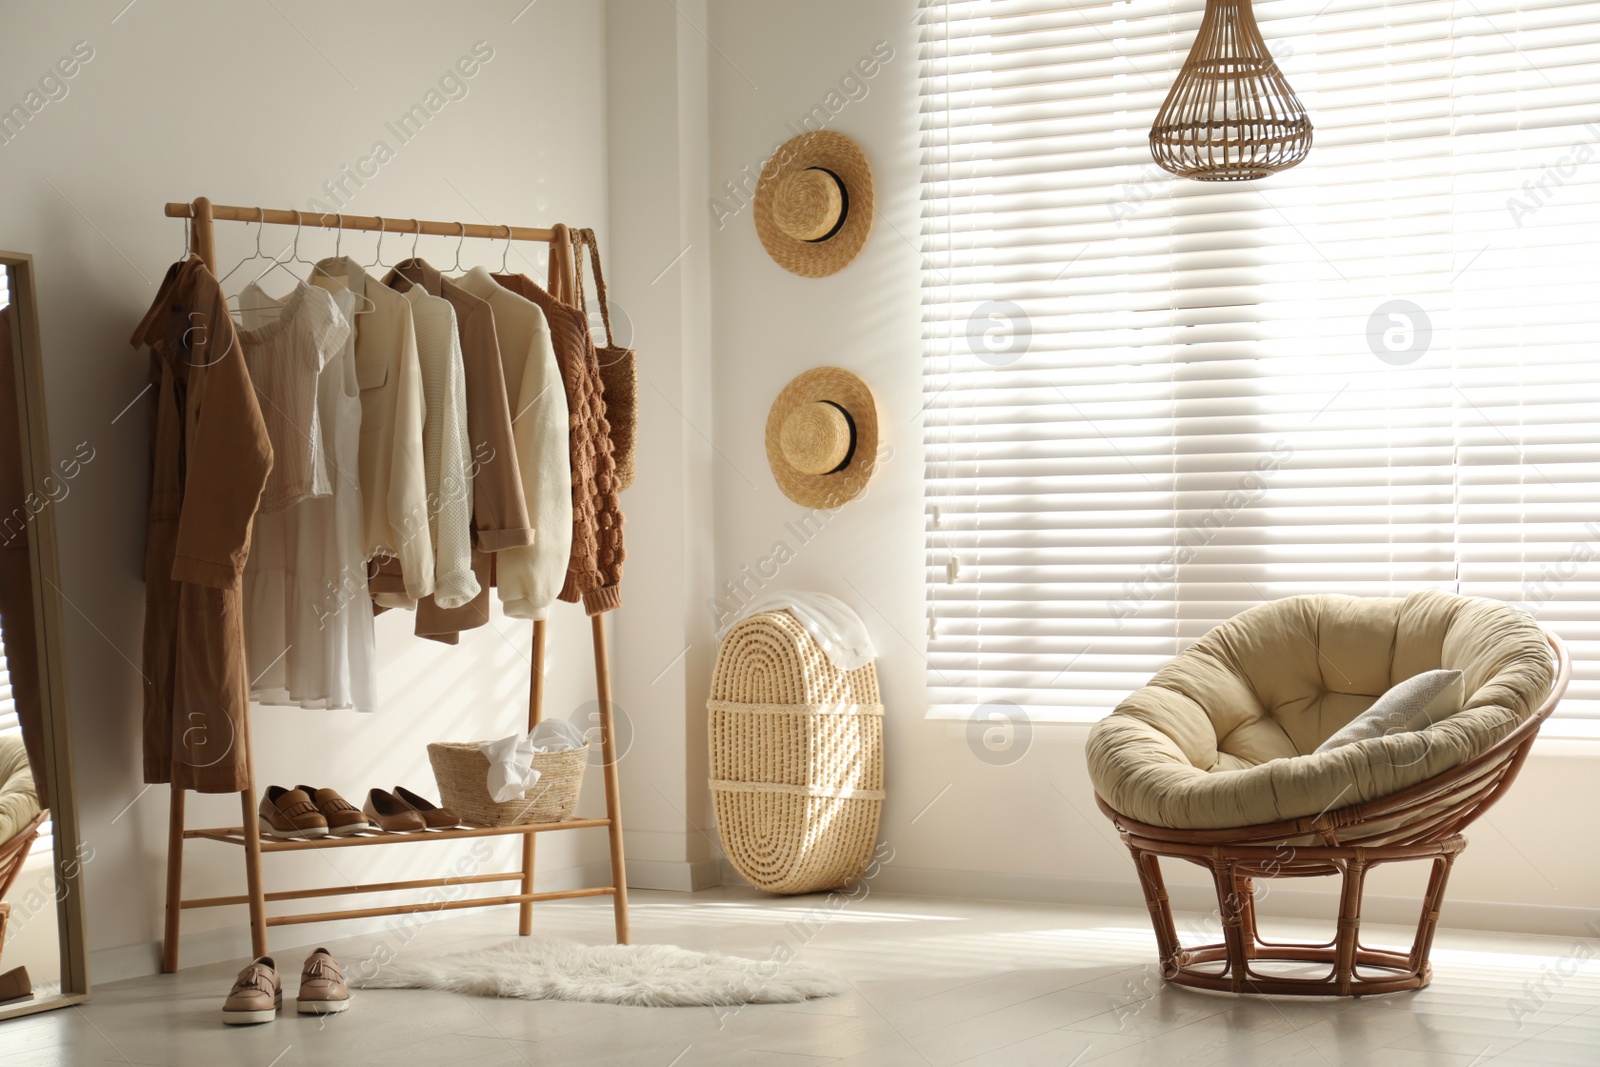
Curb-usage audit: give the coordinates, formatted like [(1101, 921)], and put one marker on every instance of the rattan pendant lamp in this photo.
[(1231, 115)]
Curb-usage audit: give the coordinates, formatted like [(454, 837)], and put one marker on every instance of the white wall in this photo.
[(248, 105), (956, 823), (659, 273)]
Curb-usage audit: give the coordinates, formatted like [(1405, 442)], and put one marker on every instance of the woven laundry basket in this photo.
[(796, 758), (462, 772)]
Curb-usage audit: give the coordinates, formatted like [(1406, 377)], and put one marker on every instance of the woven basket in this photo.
[(796, 758), (462, 771)]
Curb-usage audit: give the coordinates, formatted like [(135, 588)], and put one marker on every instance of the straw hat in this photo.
[(814, 203), (822, 437)]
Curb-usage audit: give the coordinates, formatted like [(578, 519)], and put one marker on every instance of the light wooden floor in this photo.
[(934, 982)]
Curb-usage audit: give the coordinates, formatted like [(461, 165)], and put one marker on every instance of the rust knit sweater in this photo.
[(594, 571)]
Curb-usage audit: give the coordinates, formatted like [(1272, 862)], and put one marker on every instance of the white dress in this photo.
[(308, 614)]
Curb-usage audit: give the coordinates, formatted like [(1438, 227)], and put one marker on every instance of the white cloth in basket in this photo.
[(831, 622), (511, 772)]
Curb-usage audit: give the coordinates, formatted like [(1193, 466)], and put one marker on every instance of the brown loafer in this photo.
[(14, 984), (391, 814), (343, 817), (290, 813), (435, 817), (322, 987), (256, 995)]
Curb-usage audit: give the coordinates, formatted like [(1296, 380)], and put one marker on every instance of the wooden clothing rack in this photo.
[(202, 213)]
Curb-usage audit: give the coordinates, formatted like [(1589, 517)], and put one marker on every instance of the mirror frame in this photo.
[(48, 619)]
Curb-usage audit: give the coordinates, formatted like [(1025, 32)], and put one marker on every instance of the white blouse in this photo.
[(393, 488)]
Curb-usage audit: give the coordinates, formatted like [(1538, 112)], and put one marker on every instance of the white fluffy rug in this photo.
[(646, 975)]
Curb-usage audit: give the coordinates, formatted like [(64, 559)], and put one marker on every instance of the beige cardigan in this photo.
[(530, 578), (394, 491)]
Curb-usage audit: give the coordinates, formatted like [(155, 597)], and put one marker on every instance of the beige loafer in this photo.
[(322, 985), (343, 817), (256, 995), (290, 813)]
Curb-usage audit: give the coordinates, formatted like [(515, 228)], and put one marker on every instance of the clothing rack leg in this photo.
[(608, 749), (252, 845), (205, 245), (169, 937), (563, 275), (202, 235), (535, 713), (252, 871)]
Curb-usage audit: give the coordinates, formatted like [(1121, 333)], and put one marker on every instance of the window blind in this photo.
[(1152, 403), (8, 707)]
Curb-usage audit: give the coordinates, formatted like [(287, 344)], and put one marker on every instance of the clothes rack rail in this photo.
[(202, 214)]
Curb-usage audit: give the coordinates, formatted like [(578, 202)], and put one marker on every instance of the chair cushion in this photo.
[(1418, 702), (1225, 734), (19, 800)]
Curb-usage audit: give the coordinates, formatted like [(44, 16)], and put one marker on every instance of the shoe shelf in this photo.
[(402, 909), (234, 835)]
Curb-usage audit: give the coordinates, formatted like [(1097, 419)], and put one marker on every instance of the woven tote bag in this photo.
[(796, 758), (619, 373)]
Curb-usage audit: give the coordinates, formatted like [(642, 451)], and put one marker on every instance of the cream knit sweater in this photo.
[(530, 578)]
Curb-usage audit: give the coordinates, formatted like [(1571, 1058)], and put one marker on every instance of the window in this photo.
[(1152, 403)]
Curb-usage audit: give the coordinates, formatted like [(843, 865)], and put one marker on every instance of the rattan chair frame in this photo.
[(14, 851), (1420, 823)]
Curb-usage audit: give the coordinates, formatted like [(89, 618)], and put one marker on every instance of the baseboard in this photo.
[(1489, 915), (676, 876)]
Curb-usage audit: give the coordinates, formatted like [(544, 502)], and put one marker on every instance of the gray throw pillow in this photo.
[(1416, 703)]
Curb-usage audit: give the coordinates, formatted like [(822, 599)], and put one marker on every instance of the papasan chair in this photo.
[(1214, 762), (20, 821)]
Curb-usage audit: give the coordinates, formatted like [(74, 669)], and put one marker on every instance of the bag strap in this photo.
[(582, 297), (586, 238)]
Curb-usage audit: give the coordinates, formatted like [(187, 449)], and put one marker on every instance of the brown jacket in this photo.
[(594, 571), (209, 460), (499, 511)]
